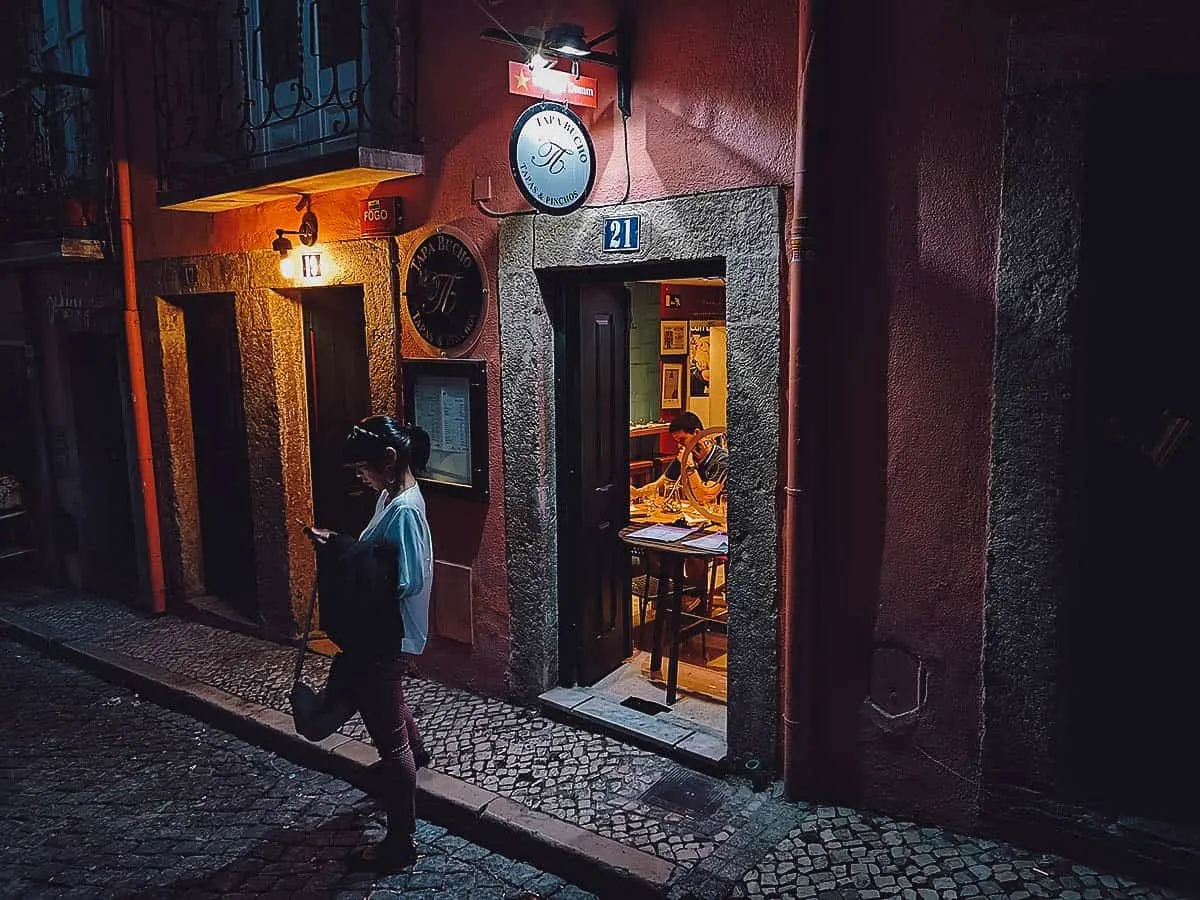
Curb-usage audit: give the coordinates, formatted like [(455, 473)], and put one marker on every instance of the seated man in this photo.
[(710, 470), (707, 482)]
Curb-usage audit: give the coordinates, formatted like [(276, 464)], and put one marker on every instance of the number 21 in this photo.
[(615, 236)]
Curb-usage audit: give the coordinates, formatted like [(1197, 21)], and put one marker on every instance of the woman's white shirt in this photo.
[(402, 521)]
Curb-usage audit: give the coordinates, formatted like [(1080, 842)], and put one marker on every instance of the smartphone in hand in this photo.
[(317, 535)]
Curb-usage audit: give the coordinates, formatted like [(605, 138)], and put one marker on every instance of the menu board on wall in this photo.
[(440, 406), (447, 398)]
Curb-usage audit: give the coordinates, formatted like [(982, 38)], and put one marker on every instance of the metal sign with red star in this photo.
[(551, 84)]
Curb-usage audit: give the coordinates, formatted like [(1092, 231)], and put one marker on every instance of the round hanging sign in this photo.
[(444, 291), (552, 158)]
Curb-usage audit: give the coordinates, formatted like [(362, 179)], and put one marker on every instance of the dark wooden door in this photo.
[(222, 455), (335, 353), (107, 526), (593, 433)]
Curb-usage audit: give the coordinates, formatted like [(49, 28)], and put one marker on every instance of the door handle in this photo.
[(604, 489)]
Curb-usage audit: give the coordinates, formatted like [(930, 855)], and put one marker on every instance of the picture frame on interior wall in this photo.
[(672, 386), (673, 338)]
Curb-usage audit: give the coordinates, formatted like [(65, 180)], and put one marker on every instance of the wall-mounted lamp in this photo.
[(307, 233), (568, 42)]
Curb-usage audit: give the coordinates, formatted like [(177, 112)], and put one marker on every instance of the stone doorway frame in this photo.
[(269, 324), (743, 229), (1035, 488)]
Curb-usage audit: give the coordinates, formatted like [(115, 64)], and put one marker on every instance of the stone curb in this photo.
[(596, 863)]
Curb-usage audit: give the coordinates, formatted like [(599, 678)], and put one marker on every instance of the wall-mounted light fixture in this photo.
[(307, 233), (568, 42)]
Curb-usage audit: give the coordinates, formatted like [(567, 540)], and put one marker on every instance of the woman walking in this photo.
[(374, 605)]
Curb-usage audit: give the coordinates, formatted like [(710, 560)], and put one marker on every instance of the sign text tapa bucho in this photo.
[(552, 158), (444, 292)]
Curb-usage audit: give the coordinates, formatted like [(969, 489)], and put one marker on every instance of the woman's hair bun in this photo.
[(419, 447)]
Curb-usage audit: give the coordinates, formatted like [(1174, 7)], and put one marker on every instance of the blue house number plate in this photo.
[(622, 235)]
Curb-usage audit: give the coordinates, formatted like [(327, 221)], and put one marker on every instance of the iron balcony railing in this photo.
[(53, 155), (247, 85)]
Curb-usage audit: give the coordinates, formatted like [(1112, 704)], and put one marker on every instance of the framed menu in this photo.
[(448, 398)]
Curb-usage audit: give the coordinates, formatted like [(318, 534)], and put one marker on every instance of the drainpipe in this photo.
[(133, 343), (798, 606)]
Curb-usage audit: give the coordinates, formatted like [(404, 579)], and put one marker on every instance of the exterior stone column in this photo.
[(175, 452), (294, 500)]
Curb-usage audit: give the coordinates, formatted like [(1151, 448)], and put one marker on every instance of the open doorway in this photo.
[(641, 399)]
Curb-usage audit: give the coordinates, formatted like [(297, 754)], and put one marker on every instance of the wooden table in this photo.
[(671, 557)]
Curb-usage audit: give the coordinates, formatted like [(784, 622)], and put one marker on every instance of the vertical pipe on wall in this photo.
[(133, 342), (798, 600)]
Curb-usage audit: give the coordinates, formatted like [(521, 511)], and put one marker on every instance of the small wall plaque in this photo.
[(380, 216)]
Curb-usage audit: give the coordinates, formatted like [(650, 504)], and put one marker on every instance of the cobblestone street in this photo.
[(102, 794), (723, 838)]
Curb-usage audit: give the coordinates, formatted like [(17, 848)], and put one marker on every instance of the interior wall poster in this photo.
[(672, 385), (699, 356), (672, 338)]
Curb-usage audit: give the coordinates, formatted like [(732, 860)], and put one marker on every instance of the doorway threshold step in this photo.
[(672, 737), (215, 612)]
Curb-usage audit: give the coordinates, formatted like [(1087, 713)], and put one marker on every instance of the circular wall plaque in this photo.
[(444, 291), (552, 158)]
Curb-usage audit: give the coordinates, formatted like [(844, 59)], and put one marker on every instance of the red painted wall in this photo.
[(471, 533), (908, 190), (703, 119)]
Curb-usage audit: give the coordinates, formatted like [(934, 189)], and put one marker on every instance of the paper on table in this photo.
[(665, 533), (719, 541)]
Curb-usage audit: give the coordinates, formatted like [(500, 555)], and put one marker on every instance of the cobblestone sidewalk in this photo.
[(728, 841), (108, 796)]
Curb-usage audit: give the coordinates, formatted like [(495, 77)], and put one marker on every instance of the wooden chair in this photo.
[(646, 587), (641, 471)]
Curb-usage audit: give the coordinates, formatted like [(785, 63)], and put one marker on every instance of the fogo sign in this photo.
[(379, 216)]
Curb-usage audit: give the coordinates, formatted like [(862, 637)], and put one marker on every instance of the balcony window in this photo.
[(66, 110), (302, 56), (53, 146), (251, 93)]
